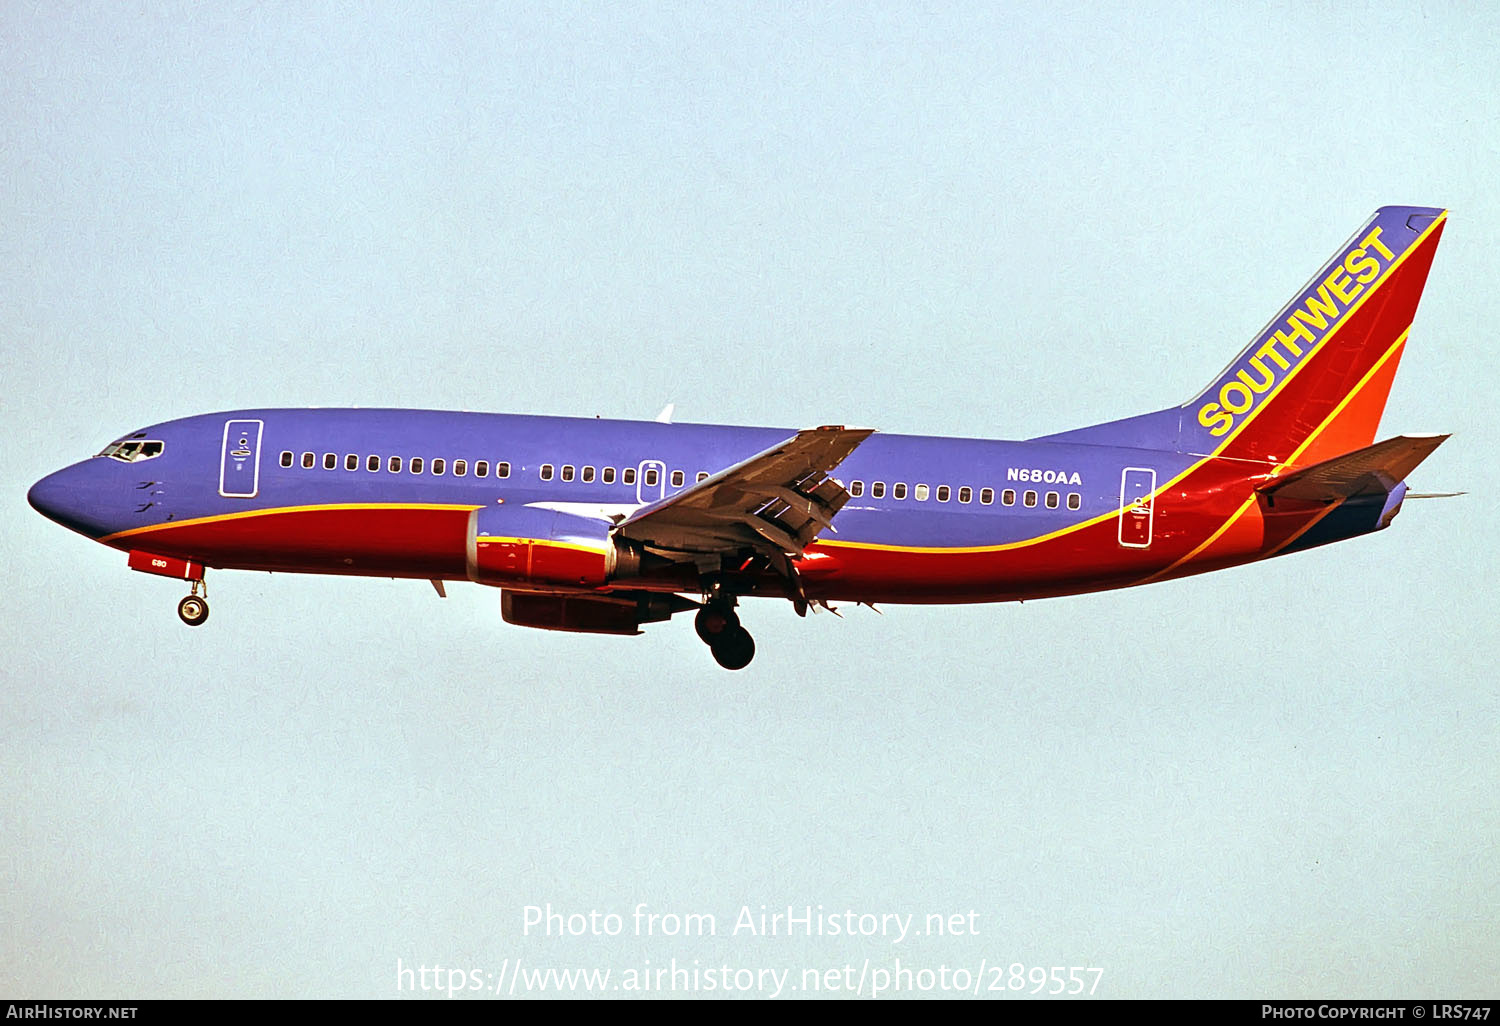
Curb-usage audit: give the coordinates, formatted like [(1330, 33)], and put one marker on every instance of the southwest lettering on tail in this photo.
[(602, 526), (1299, 333)]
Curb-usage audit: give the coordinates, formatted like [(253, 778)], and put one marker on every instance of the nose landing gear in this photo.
[(194, 609), (719, 627)]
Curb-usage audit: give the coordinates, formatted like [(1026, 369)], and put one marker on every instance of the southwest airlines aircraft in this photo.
[(602, 526)]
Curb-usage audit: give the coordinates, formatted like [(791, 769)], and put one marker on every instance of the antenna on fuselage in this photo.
[(665, 416)]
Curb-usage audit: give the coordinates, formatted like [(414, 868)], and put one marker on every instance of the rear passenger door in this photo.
[(1137, 509)]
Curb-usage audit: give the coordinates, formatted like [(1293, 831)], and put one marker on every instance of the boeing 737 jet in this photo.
[(602, 526)]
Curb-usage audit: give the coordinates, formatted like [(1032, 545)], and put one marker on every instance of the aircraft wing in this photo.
[(1373, 470), (775, 502)]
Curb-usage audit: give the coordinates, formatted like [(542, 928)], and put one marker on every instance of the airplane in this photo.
[(602, 526)]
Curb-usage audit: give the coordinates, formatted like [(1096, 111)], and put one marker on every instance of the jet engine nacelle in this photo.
[(589, 614), (516, 545)]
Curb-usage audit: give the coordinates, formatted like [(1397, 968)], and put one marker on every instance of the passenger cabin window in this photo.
[(677, 479), (944, 493), (586, 475), (702, 476), (416, 464), (393, 464), (309, 460), (481, 468), (653, 476), (330, 461), (1074, 500), (898, 490), (877, 490), (546, 472), (372, 464), (1029, 499), (856, 488), (502, 470), (1008, 497), (966, 494), (922, 492), (438, 466), (607, 475), (1052, 500), (567, 472), (628, 475), (986, 496), (351, 462), (460, 468), (286, 458)]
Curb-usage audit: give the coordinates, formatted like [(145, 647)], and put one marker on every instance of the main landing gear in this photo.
[(719, 627), (194, 608)]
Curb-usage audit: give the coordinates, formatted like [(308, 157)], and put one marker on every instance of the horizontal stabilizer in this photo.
[(1373, 470)]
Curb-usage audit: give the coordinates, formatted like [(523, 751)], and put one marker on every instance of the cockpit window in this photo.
[(132, 450)]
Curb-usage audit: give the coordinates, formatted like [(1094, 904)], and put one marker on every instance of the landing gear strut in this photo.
[(719, 627), (194, 608)]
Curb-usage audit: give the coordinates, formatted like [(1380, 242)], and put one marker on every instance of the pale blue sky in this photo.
[(958, 219)]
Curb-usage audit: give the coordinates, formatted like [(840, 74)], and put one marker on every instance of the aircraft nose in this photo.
[(49, 496), (74, 498)]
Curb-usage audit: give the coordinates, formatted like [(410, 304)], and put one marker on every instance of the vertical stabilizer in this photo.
[(1314, 382)]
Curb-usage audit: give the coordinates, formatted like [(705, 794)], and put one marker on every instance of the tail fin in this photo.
[(1314, 382)]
